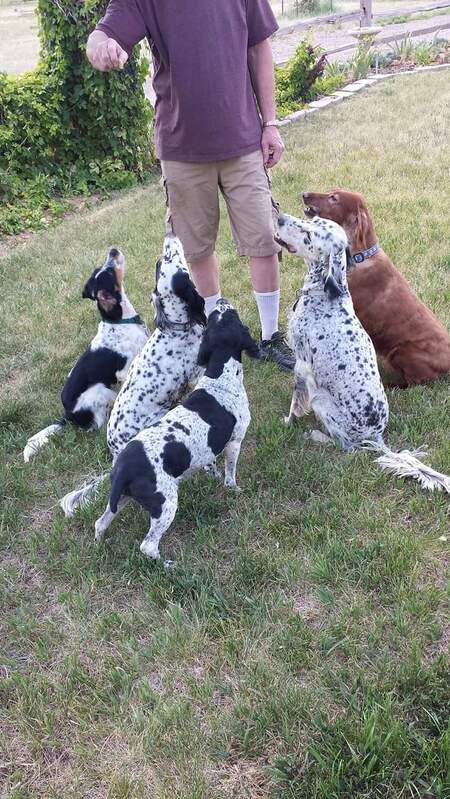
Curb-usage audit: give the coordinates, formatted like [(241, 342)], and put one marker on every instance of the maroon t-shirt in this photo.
[(205, 106)]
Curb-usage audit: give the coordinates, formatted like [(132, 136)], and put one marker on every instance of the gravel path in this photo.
[(284, 44)]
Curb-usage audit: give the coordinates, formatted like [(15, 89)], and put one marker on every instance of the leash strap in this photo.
[(275, 208)]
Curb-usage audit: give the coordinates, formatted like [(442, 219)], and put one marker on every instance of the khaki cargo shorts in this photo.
[(192, 194)]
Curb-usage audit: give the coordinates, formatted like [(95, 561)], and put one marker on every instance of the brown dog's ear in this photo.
[(362, 229)]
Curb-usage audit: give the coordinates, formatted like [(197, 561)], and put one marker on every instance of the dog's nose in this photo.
[(281, 220), (306, 195)]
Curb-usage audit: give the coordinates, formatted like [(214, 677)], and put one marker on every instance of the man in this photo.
[(213, 72)]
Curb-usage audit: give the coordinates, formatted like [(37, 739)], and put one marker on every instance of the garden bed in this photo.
[(308, 76)]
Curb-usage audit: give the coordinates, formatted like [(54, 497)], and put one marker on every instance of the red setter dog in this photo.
[(413, 343)]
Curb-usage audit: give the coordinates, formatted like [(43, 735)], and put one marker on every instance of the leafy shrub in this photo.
[(360, 64), (66, 128), (329, 84), (403, 49), (308, 7), (381, 59), (335, 76), (424, 54), (334, 68), (296, 82)]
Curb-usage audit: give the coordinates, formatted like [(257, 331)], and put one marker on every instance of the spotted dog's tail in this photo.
[(407, 464), (81, 496), (40, 439)]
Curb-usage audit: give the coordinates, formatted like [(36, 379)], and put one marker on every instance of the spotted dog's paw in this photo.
[(318, 437), (214, 470), (233, 485)]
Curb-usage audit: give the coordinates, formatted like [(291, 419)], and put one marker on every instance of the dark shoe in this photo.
[(277, 349)]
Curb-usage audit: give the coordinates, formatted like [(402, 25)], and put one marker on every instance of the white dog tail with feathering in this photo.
[(40, 439), (81, 496), (406, 464)]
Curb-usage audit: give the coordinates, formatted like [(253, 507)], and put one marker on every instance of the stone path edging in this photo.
[(352, 88)]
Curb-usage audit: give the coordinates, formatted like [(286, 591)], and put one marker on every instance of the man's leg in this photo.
[(265, 277), (205, 274), (192, 195), (246, 189)]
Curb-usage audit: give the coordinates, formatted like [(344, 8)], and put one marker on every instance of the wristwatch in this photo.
[(272, 123)]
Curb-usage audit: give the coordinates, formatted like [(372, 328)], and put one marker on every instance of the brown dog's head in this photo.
[(348, 209)]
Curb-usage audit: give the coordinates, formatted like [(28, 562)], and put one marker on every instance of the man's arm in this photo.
[(260, 64), (105, 53)]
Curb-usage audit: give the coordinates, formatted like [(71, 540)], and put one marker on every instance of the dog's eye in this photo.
[(333, 198)]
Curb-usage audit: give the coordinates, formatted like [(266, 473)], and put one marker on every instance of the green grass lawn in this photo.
[(298, 649)]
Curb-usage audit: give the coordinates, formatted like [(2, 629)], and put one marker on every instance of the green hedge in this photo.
[(66, 128), (303, 79)]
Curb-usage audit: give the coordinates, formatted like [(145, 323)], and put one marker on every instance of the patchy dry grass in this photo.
[(298, 649)]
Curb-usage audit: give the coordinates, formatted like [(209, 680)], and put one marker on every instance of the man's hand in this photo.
[(272, 146), (105, 53)]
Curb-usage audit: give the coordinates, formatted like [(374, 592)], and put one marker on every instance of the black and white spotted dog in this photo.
[(168, 363), (91, 386), (164, 368), (213, 418), (336, 371)]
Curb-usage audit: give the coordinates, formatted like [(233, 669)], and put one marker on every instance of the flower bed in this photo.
[(308, 76)]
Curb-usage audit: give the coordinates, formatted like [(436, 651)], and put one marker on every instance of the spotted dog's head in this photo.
[(225, 337), (175, 298), (323, 244), (105, 286)]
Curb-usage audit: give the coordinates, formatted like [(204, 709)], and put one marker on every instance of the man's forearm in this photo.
[(260, 64)]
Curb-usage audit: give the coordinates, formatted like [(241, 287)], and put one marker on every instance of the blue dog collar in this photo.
[(132, 320), (359, 257)]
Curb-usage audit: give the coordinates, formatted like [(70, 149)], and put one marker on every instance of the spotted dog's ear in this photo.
[(89, 290), (184, 288), (333, 282), (248, 343), (107, 302), (160, 315), (205, 349)]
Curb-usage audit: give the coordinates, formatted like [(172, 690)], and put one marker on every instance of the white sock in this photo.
[(268, 303), (210, 303)]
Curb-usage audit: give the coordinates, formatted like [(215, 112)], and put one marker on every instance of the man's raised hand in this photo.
[(105, 53)]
